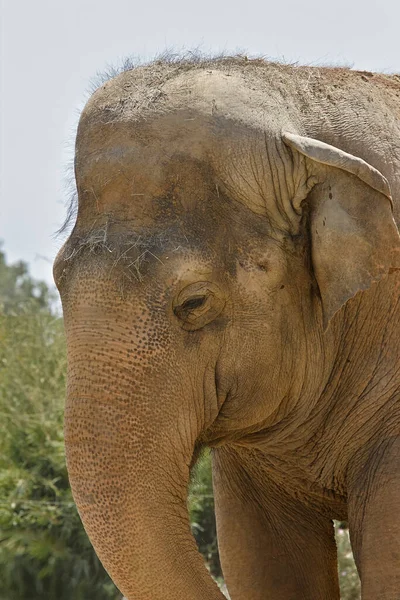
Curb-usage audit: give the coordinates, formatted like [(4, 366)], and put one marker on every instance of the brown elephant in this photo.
[(232, 281)]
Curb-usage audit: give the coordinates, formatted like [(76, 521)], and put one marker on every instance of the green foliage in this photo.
[(202, 516), (350, 588), (19, 292)]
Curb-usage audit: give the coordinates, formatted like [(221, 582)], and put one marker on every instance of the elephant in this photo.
[(231, 281)]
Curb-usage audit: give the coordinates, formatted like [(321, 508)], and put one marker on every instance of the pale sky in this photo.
[(50, 50)]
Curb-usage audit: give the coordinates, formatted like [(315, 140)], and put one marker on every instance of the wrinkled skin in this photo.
[(232, 282)]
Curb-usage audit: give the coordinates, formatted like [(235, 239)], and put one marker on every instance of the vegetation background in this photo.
[(44, 551)]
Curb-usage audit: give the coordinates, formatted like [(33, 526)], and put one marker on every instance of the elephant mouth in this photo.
[(220, 433), (216, 436)]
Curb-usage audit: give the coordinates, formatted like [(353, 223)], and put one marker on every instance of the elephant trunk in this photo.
[(128, 454)]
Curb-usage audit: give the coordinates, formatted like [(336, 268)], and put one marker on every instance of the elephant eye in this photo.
[(198, 304), (193, 303)]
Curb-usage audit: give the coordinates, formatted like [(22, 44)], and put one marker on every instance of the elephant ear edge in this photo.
[(335, 157), (354, 238)]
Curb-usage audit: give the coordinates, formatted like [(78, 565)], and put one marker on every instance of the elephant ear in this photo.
[(354, 238)]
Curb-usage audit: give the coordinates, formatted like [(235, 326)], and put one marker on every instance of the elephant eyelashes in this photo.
[(198, 304), (193, 303), (189, 305)]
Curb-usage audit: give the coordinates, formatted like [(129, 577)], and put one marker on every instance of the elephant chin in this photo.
[(129, 481)]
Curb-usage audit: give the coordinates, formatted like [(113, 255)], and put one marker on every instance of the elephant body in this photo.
[(232, 280)]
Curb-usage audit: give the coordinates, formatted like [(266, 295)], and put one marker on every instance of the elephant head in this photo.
[(210, 253)]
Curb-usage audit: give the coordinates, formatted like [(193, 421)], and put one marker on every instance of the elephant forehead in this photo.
[(142, 183), (139, 150), (183, 156), (218, 116)]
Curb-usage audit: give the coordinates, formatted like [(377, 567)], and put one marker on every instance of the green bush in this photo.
[(350, 588), (202, 516), (19, 292)]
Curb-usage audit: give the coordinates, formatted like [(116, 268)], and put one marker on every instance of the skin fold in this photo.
[(232, 281)]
